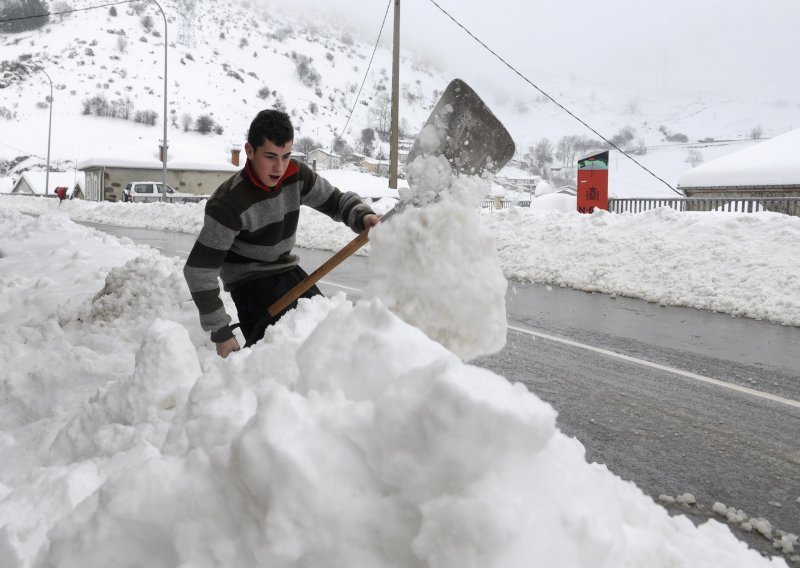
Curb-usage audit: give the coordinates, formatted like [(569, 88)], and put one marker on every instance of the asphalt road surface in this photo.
[(676, 400)]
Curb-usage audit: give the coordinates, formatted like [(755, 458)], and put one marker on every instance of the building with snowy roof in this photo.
[(33, 183), (190, 169), (768, 169), (319, 159)]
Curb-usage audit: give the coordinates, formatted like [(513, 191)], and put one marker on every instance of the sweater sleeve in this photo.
[(202, 268), (346, 207)]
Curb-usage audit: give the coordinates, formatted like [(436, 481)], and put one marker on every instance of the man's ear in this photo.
[(248, 150)]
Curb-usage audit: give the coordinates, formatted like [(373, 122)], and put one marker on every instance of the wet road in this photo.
[(675, 399)]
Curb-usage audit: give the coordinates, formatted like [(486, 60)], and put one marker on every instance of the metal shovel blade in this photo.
[(471, 138)]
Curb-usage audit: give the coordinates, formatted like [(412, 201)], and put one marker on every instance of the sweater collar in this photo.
[(290, 170)]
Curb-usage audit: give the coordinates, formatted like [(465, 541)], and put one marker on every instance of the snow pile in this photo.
[(716, 261), (713, 260), (786, 542), (345, 438), (437, 265), (543, 187), (563, 202)]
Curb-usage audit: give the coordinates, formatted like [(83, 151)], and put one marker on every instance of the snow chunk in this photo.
[(438, 269)]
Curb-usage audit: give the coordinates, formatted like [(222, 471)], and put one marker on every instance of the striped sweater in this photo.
[(249, 232)]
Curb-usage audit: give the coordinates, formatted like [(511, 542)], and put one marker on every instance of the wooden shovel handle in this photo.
[(307, 282)]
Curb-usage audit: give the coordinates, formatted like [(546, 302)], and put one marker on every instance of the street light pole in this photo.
[(49, 131), (393, 146), (164, 141)]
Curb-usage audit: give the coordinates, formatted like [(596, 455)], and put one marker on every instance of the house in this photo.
[(354, 158), (518, 179), (190, 169), (33, 183), (374, 166), (767, 169), (319, 159)]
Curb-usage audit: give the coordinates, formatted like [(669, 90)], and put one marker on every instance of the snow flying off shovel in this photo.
[(463, 130)]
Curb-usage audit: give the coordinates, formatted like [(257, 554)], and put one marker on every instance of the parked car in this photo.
[(145, 191)]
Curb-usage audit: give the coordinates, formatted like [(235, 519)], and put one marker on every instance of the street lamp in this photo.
[(49, 130), (164, 142)]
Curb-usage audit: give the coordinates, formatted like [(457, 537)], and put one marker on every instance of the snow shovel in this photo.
[(462, 129)]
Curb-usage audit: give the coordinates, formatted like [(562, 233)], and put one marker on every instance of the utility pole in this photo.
[(164, 141), (395, 98), (49, 131)]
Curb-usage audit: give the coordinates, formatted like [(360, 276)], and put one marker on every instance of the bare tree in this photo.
[(633, 106), (342, 148), (305, 144), (382, 113), (756, 132), (694, 157), (60, 6), (186, 9), (567, 149), (543, 155)]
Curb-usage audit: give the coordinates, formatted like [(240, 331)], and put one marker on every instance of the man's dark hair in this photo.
[(272, 125)]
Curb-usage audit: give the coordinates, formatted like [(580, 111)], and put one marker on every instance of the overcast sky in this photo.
[(685, 45)]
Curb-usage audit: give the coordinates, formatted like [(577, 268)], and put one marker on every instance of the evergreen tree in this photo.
[(20, 13)]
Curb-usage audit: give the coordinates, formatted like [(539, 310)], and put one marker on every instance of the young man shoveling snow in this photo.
[(249, 232)]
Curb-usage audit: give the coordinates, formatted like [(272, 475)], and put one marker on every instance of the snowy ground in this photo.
[(745, 265), (348, 437)]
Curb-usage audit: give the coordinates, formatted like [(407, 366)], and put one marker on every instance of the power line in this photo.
[(562, 107), (65, 11), (377, 41)]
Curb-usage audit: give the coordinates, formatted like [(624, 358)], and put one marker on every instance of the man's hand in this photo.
[(227, 347), (371, 220)]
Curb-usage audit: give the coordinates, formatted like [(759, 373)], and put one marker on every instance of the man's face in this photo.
[(269, 161)]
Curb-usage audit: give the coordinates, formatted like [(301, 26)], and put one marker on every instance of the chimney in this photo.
[(235, 154), (161, 151)]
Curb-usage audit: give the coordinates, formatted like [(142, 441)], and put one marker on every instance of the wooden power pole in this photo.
[(395, 98)]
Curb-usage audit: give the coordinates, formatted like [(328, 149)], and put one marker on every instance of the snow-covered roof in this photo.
[(773, 162), (36, 181), (321, 151), (517, 173), (369, 160), (146, 156), (6, 184)]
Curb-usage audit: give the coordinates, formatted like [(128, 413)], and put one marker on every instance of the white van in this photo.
[(146, 191)]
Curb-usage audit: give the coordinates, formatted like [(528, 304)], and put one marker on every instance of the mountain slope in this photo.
[(228, 60)]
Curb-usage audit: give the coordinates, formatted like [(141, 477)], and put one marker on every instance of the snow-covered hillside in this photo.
[(227, 60)]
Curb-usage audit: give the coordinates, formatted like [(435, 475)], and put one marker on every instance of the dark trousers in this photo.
[(253, 298)]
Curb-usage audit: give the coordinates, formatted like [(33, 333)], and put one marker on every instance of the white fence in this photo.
[(787, 205)]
